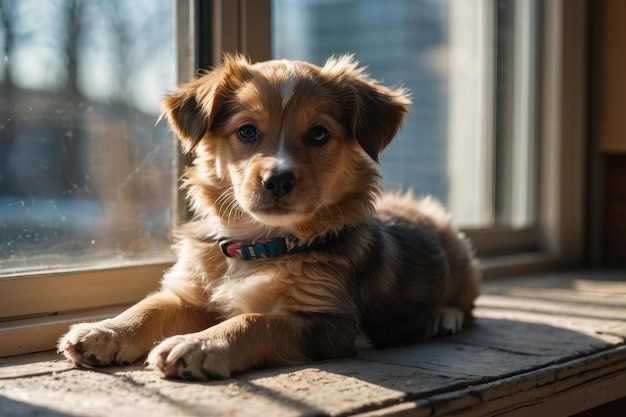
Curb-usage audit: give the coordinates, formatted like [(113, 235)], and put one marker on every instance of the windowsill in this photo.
[(553, 343)]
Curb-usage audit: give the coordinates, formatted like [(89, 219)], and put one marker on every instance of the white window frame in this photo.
[(557, 238), (36, 310)]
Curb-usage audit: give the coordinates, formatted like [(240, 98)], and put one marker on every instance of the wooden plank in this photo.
[(553, 307), (526, 353), (612, 331), (583, 298), (576, 400), (32, 365), (20, 336), (609, 281), (559, 390), (501, 343)]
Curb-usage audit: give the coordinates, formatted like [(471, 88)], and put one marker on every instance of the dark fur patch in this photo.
[(328, 335), (399, 311)]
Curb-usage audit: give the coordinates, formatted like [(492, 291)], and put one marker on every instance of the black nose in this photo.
[(279, 183)]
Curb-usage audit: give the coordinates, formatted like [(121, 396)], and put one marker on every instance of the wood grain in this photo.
[(551, 345)]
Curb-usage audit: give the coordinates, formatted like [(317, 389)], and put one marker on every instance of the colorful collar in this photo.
[(269, 249)]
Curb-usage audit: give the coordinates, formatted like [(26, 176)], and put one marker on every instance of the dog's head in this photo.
[(287, 145)]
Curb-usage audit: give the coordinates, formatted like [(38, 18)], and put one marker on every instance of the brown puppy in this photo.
[(293, 249)]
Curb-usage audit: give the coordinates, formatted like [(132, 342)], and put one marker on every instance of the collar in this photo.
[(267, 249)]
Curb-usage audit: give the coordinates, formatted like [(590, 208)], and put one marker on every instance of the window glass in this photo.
[(86, 172), (447, 53)]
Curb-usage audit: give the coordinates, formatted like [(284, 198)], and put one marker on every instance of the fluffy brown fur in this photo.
[(290, 149)]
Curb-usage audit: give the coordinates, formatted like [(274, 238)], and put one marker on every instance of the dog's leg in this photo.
[(130, 336), (253, 340)]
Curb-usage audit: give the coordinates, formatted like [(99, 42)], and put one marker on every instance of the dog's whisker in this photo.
[(228, 203), (226, 194), (234, 211)]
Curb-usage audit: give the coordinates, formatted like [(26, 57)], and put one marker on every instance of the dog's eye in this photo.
[(318, 135), (247, 133)]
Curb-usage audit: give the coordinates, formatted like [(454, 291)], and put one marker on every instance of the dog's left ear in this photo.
[(194, 108), (378, 111)]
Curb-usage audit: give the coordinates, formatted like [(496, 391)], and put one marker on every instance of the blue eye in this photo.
[(247, 133), (318, 135)]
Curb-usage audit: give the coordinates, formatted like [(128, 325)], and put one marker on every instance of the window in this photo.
[(470, 67), (86, 173), (88, 176)]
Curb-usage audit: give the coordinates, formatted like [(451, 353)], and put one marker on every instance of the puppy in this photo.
[(293, 249)]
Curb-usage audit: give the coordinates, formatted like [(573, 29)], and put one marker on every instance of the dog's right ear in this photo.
[(185, 116), (193, 109)]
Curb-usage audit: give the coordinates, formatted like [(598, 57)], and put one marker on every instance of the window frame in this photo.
[(39, 308), (556, 240), (498, 131)]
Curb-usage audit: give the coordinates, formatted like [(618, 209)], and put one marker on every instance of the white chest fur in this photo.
[(277, 287)]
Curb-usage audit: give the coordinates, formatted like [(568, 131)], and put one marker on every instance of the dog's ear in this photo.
[(377, 111), (192, 110)]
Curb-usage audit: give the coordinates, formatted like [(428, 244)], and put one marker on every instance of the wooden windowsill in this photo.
[(551, 343)]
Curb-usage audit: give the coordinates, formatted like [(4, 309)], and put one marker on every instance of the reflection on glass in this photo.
[(86, 173)]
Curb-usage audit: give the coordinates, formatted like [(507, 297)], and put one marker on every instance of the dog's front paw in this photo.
[(190, 357), (97, 344)]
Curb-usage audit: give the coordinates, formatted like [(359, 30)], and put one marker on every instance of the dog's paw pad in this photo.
[(447, 321), (86, 344), (188, 357), (92, 344)]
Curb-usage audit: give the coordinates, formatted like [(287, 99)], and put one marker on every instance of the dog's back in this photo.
[(420, 277)]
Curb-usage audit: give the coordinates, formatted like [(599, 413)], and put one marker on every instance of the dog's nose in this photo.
[(279, 183)]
